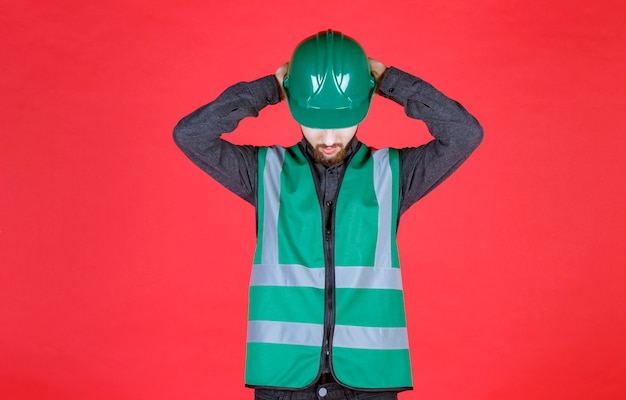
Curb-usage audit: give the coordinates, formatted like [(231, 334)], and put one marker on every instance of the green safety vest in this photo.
[(286, 301)]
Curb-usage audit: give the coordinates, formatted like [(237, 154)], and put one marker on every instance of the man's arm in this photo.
[(456, 134), (199, 135)]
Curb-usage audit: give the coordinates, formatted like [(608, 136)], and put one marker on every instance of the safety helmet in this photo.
[(329, 83)]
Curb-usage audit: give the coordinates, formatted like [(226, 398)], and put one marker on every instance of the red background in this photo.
[(124, 268)]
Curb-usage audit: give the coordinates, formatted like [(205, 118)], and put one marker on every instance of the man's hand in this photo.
[(378, 70), (280, 74)]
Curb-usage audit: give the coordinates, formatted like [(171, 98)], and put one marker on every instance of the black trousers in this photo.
[(325, 389)]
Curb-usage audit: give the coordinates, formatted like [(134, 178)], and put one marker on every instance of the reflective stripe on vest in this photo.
[(286, 310), (355, 337)]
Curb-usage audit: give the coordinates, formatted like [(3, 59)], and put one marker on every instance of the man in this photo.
[(326, 309)]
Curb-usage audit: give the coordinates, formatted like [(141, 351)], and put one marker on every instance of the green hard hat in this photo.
[(329, 83)]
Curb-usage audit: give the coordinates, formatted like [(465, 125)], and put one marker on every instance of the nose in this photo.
[(328, 137)]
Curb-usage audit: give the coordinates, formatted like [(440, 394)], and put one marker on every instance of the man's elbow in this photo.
[(179, 136), (475, 134)]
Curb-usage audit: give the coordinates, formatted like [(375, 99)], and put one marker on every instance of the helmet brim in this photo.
[(329, 119)]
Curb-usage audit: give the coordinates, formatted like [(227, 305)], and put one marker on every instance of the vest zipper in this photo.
[(329, 309), (328, 224), (329, 260)]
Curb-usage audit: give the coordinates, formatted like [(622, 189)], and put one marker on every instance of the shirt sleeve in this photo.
[(199, 135), (456, 134)]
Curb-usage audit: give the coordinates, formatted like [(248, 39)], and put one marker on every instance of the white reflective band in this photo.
[(382, 186), (361, 337), (368, 278), (287, 275), (271, 177), (355, 337), (285, 333), (345, 277)]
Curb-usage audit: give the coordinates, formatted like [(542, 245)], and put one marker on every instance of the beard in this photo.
[(322, 158)]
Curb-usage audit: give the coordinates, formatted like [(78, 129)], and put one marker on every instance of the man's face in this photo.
[(329, 145)]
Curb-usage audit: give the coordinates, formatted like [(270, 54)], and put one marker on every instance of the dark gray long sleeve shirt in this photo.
[(456, 134)]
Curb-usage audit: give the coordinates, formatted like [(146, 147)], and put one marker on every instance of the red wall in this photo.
[(124, 268)]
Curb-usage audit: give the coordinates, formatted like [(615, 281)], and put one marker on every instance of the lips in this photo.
[(329, 150)]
